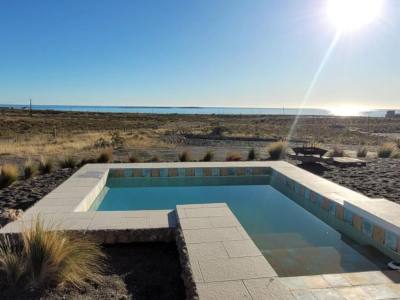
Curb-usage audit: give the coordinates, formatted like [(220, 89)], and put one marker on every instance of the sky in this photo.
[(235, 53)]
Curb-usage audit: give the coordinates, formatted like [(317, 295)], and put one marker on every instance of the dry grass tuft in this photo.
[(362, 152), (68, 163), (30, 169), (209, 156), (8, 174), (233, 156), (105, 156), (154, 158), (45, 166), (49, 257), (336, 152), (134, 158), (277, 150), (186, 155), (389, 150), (252, 155)]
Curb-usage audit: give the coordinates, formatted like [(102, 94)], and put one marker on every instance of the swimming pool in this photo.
[(294, 241)]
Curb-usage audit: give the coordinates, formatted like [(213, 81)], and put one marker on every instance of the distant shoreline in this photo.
[(191, 110)]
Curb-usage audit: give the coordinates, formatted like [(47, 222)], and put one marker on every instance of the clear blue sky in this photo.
[(193, 53)]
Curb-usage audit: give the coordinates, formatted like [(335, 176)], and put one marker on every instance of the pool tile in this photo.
[(163, 172), (112, 173), (119, 173), (367, 228), (181, 172), (307, 194), (128, 172), (378, 234), (198, 172), (137, 173), (155, 172), (339, 212), (390, 240), (146, 173), (357, 222), (172, 172), (332, 208), (223, 172), (249, 171), (215, 172), (325, 203), (207, 171), (348, 216), (231, 171), (240, 171), (189, 172)]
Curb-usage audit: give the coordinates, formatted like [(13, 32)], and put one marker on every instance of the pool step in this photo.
[(280, 241)]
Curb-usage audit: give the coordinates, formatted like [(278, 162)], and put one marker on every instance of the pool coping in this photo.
[(67, 206)]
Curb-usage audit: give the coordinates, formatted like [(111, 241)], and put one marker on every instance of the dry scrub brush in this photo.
[(389, 150), (8, 174), (278, 150)]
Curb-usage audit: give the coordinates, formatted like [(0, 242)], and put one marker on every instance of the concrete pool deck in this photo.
[(224, 262)]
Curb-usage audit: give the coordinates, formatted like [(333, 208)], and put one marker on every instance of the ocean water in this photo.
[(293, 240), (190, 110)]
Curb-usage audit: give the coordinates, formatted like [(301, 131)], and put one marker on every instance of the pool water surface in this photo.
[(294, 241)]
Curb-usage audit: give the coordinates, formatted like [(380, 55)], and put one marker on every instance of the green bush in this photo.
[(277, 150), (8, 174)]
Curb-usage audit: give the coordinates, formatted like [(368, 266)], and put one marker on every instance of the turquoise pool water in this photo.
[(294, 241)]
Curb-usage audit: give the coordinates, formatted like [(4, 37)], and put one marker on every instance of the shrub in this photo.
[(362, 152), (85, 161), (133, 158), (117, 140), (48, 257), (252, 155), (68, 163), (155, 158), (209, 156), (105, 156), (233, 156), (185, 156), (8, 174), (29, 169), (277, 150), (337, 152), (102, 143), (45, 166), (389, 150)]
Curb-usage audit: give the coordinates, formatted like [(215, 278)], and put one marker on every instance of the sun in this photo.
[(351, 15)]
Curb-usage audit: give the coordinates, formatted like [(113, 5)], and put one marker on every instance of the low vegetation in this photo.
[(233, 156), (68, 163), (186, 155), (154, 158), (362, 152), (105, 156), (45, 166), (47, 257), (8, 174), (278, 150), (30, 169), (389, 150), (337, 152), (133, 158), (252, 155), (209, 156)]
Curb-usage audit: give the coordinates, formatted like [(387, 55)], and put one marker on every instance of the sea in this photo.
[(191, 110)]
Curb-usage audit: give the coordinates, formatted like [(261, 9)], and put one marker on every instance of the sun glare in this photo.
[(346, 111), (350, 15)]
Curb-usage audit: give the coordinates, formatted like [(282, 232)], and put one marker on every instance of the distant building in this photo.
[(392, 114)]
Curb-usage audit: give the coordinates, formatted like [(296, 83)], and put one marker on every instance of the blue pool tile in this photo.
[(231, 171), (390, 240), (215, 172), (163, 172), (332, 208), (128, 172), (198, 172), (348, 216), (181, 172), (249, 171), (367, 228), (297, 188), (319, 198), (307, 194), (112, 173), (146, 173)]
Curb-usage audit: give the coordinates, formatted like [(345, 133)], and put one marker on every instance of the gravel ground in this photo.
[(380, 178), (139, 271)]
